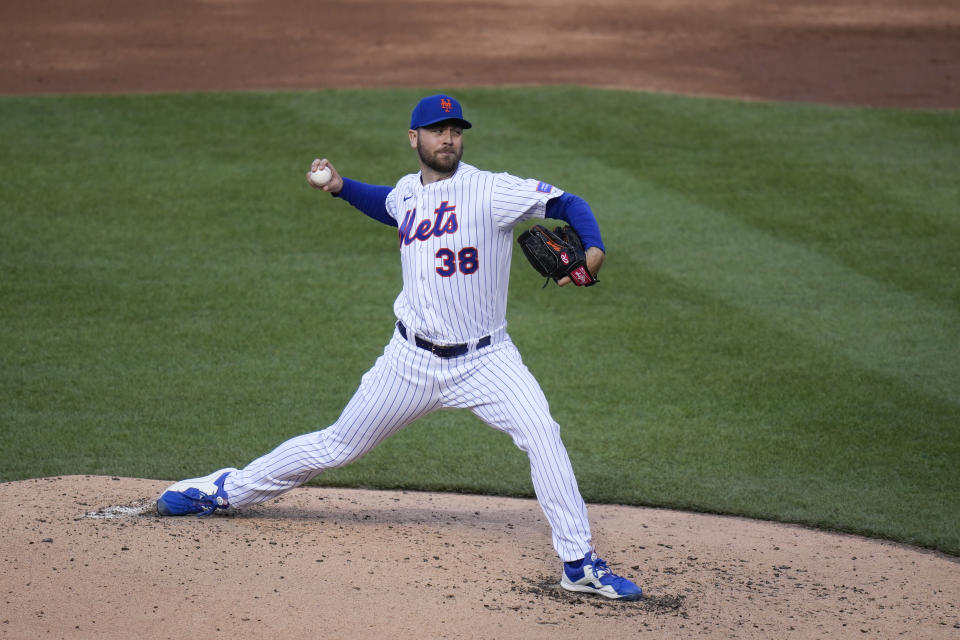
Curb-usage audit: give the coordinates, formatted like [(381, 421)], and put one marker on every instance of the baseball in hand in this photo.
[(320, 177)]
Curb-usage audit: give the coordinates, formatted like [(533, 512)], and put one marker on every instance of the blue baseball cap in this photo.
[(434, 109)]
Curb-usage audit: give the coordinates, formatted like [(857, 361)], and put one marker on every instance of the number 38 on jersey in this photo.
[(466, 261), (450, 262)]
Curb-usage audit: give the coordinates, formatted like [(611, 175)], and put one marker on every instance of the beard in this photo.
[(440, 163)]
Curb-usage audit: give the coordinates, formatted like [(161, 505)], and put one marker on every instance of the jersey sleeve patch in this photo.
[(543, 187)]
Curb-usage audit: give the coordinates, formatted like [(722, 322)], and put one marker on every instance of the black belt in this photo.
[(443, 350)]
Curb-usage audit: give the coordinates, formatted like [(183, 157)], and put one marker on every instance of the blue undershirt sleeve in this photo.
[(575, 211), (371, 199)]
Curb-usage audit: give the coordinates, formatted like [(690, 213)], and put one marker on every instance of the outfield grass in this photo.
[(777, 332)]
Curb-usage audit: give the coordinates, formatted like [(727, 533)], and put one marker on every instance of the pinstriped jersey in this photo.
[(456, 244)]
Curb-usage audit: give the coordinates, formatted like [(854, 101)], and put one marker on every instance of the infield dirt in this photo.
[(87, 557)]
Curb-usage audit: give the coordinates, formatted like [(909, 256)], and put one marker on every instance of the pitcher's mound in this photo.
[(87, 557)]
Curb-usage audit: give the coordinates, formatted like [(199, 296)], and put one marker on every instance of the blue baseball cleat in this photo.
[(202, 496), (591, 575)]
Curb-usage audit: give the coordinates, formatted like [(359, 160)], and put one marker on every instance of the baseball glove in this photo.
[(555, 254)]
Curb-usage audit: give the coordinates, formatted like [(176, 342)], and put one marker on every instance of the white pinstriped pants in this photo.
[(407, 383)]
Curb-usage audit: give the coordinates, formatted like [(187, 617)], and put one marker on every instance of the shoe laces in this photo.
[(211, 503), (600, 567)]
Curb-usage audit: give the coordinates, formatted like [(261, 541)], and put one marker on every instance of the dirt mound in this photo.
[(87, 557)]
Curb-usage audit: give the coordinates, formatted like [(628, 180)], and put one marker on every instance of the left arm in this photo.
[(575, 211)]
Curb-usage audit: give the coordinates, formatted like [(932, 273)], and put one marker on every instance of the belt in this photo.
[(443, 350)]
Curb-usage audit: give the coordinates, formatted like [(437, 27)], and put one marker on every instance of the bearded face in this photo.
[(440, 147)]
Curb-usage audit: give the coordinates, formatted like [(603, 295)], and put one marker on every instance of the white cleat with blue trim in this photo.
[(591, 575), (202, 496)]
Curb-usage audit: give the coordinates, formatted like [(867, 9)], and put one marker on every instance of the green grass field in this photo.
[(776, 334)]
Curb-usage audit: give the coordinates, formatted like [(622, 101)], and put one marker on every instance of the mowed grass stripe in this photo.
[(792, 287)]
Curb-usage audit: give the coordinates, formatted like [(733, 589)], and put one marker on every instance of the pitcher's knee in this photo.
[(335, 451), (540, 437)]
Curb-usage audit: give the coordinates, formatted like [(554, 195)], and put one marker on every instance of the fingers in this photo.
[(335, 183), (318, 164)]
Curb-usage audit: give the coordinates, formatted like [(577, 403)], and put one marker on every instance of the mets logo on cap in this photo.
[(438, 108)]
